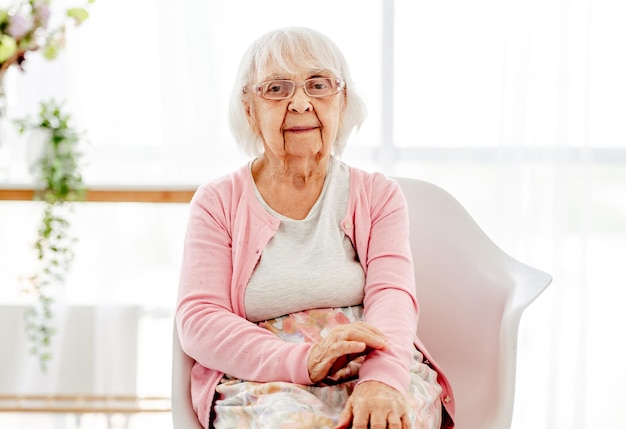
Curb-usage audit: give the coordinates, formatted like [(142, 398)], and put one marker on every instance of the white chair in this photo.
[(183, 415), (471, 297)]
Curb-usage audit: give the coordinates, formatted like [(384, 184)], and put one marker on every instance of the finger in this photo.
[(406, 421), (347, 373), (378, 420), (341, 352), (346, 361), (360, 419), (394, 421), (370, 342), (348, 370), (361, 332), (323, 355), (363, 326), (342, 344), (345, 418)]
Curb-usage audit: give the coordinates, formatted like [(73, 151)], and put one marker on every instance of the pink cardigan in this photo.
[(227, 231)]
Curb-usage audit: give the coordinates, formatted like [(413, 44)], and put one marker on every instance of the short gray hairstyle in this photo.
[(291, 49)]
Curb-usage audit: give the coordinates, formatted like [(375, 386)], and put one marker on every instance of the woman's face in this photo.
[(298, 126)]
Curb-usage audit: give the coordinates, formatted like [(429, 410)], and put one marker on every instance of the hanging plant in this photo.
[(58, 183)]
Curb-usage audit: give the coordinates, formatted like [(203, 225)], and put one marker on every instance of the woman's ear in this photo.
[(249, 108), (344, 104), (246, 105)]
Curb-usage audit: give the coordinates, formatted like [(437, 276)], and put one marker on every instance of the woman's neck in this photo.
[(297, 173), (290, 188)]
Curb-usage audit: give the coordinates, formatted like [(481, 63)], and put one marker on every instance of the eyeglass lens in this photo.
[(282, 88)]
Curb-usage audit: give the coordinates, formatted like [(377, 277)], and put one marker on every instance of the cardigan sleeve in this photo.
[(390, 304), (210, 330)]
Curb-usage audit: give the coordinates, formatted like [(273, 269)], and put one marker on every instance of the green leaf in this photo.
[(50, 51), (8, 47), (79, 14)]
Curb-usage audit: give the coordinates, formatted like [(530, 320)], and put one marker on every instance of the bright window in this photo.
[(514, 106)]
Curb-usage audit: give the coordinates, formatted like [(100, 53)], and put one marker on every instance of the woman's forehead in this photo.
[(303, 73), (288, 66)]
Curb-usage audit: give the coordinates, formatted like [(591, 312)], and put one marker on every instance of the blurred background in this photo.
[(516, 107)]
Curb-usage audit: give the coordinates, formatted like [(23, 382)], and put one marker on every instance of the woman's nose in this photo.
[(300, 101)]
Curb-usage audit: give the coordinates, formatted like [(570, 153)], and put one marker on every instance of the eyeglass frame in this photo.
[(340, 86)]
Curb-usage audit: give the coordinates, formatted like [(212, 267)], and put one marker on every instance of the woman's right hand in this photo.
[(341, 346)]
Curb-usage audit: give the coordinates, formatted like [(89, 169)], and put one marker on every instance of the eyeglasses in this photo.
[(317, 87)]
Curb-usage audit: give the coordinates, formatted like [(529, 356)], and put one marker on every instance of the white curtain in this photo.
[(514, 106), (519, 107), (95, 352)]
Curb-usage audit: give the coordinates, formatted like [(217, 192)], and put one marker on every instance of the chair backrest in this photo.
[(471, 297)]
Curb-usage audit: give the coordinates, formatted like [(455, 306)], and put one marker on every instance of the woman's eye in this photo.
[(275, 87), (319, 86)]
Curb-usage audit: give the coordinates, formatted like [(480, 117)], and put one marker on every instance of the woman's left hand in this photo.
[(375, 405)]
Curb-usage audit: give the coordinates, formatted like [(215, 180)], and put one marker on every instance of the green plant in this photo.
[(59, 183), (26, 25)]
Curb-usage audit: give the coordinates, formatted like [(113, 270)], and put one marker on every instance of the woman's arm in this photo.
[(390, 303), (209, 329)]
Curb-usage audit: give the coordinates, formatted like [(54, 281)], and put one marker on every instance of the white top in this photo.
[(309, 263)]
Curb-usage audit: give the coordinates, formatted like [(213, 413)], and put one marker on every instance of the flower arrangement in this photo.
[(27, 25)]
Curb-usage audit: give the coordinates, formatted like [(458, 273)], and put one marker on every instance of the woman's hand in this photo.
[(343, 344), (375, 405)]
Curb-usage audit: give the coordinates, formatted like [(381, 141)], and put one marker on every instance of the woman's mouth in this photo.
[(300, 129)]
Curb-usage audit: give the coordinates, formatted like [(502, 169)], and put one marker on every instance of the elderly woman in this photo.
[(297, 297)]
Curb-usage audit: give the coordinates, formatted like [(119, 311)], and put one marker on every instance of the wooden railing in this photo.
[(84, 404), (111, 194)]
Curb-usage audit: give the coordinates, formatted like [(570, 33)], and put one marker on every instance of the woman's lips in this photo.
[(300, 128)]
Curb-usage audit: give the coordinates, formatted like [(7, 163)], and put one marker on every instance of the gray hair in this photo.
[(291, 49)]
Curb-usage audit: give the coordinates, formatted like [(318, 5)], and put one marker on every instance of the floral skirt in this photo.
[(244, 404)]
